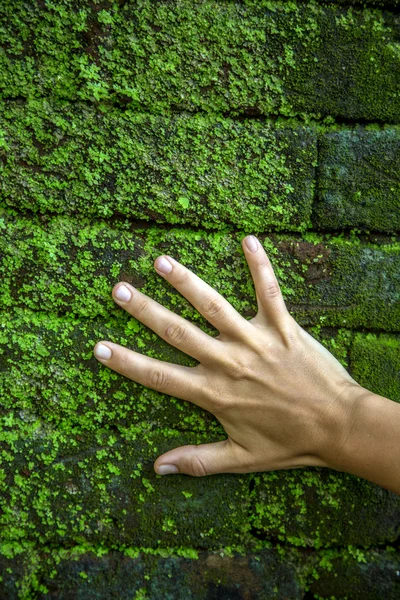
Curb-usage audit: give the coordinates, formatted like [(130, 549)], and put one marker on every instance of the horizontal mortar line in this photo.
[(308, 550), (69, 317), (308, 121), (118, 222), (339, 547)]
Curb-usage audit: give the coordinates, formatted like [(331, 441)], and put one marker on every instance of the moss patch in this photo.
[(252, 57), (358, 183), (209, 171)]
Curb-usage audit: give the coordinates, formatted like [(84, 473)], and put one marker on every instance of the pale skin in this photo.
[(283, 399)]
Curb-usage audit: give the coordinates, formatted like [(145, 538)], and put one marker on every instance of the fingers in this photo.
[(205, 459), (176, 380), (269, 296), (218, 311), (170, 327)]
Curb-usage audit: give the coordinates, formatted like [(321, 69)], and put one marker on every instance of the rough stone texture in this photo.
[(49, 263), (323, 508), (375, 363), (203, 170), (253, 57), (369, 575), (358, 180), (70, 487), (83, 575), (200, 170)]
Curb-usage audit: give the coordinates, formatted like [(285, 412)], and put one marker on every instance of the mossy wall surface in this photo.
[(129, 129)]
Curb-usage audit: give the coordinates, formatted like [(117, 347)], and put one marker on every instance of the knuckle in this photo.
[(197, 466), (212, 307), (181, 277), (158, 380), (142, 308), (237, 369), (176, 333), (270, 290), (123, 363)]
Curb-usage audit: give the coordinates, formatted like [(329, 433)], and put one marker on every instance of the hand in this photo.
[(282, 398)]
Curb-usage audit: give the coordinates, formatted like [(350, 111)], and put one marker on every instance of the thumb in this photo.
[(205, 459)]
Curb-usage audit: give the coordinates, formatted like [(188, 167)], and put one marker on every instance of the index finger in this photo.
[(218, 311)]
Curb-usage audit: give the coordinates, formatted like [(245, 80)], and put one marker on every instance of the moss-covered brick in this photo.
[(358, 574), (64, 487), (375, 363), (348, 283), (261, 576), (73, 158), (48, 372), (82, 574), (318, 507), (69, 266), (253, 57), (358, 181)]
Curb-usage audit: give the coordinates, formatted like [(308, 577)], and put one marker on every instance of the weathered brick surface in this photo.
[(68, 487), (370, 575), (253, 57), (50, 264), (358, 180), (260, 575), (323, 508), (73, 158)]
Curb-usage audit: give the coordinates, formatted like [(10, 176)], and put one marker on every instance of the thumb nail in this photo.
[(167, 469)]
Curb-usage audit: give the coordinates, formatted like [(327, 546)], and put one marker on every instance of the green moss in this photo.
[(352, 284), (357, 182), (251, 57), (375, 364), (199, 170), (48, 266), (370, 574), (318, 507), (82, 572), (86, 501)]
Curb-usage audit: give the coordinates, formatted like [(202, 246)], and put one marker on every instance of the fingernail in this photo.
[(251, 243), (101, 351), (167, 470), (163, 265), (122, 293)]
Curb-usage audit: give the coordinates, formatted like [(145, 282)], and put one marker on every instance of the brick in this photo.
[(367, 575), (83, 575), (52, 264), (237, 58), (358, 184), (201, 170), (66, 486), (375, 363), (318, 507)]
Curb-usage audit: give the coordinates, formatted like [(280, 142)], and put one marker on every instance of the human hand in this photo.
[(282, 398)]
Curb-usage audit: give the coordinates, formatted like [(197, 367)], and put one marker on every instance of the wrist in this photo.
[(341, 427), (368, 445)]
